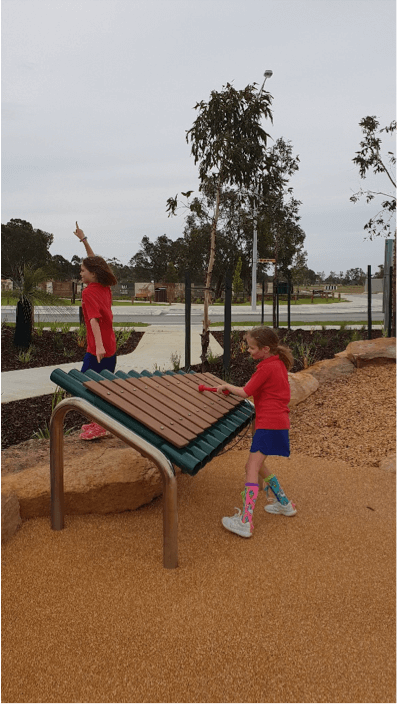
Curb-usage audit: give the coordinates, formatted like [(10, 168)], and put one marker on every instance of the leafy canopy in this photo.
[(370, 158), (22, 245), (227, 140)]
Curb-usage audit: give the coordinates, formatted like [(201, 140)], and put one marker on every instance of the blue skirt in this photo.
[(271, 442), (90, 362)]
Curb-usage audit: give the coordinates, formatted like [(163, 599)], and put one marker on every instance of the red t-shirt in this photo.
[(269, 386), (96, 302)]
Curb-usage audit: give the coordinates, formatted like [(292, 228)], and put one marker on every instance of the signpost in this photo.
[(272, 261)]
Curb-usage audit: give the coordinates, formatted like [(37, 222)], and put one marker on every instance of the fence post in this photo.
[(81, 316), (277, 309), (227, 324), (188, 308), (389, 334), (263, 302), (289, 300), (369, 303)]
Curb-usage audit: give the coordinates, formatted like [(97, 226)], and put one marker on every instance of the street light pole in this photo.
[(289, 267), (267, 74)]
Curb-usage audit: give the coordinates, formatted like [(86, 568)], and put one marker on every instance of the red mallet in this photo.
[(202, 387)]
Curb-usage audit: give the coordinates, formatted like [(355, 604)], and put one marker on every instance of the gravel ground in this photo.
[(351, 419), (302, 612)]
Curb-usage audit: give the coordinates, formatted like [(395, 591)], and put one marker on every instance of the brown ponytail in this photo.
[(266, 337)]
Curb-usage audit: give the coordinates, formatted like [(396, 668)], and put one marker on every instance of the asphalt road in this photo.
[(355, 309)]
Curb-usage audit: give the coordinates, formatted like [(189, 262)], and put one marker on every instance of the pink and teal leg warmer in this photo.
[(273, 484)]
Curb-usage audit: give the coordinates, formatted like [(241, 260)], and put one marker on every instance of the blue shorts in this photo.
[(90, 362), (271, 442)]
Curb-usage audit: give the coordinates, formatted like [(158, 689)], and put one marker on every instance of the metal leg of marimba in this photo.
[(170, 509), (56, 472), (170, 524)]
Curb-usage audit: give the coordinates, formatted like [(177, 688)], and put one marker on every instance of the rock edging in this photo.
[(10, 515), (356, 355), (114, 480)]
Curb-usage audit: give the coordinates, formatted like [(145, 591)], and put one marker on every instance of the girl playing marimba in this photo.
[(270, 388)]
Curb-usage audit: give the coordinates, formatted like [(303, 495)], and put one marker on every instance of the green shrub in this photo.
[(25, 356)]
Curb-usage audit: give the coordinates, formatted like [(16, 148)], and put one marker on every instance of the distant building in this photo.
[(160, 292), (376, 285), (62, 289), (7, 285)]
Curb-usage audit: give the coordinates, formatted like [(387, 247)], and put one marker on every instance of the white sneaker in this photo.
[(235, 525), (284, 509)]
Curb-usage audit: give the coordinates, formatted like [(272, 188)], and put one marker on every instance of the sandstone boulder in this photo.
[(341, 354), (331, 369), (388, 464), (110, 480), (10, 515), (363, 352), (302, 385)]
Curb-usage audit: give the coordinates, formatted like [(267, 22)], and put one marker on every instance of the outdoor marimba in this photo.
[(163, 416), (185, 411)]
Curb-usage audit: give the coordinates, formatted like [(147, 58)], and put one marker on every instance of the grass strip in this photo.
[(299, 323), (282, 302), (65, 327)]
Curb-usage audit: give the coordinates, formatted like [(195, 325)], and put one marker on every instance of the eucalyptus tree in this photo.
[(228, 143), (151, 261), (230, 236), (23, 245), (371, 158)]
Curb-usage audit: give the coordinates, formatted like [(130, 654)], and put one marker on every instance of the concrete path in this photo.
[(156, 350)]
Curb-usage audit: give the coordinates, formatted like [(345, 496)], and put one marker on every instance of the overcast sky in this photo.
[(97, 96)]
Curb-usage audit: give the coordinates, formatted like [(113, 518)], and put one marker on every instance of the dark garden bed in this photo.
[(21, 419), (50, 348), (308, 347)]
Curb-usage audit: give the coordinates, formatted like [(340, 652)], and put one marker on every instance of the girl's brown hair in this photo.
[(266, 337), (101, 269)]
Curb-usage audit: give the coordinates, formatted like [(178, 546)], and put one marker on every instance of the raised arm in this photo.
[(82, 237)]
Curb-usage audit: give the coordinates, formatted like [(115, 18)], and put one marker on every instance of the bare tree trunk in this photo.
[(205, 336)]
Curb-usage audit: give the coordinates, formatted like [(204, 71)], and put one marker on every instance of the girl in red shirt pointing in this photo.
[(96, 300), (270, 388)]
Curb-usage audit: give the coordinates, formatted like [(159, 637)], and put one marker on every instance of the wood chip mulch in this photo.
[(351, 419)]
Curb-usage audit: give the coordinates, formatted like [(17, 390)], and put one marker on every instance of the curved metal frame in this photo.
[(170, 508)]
